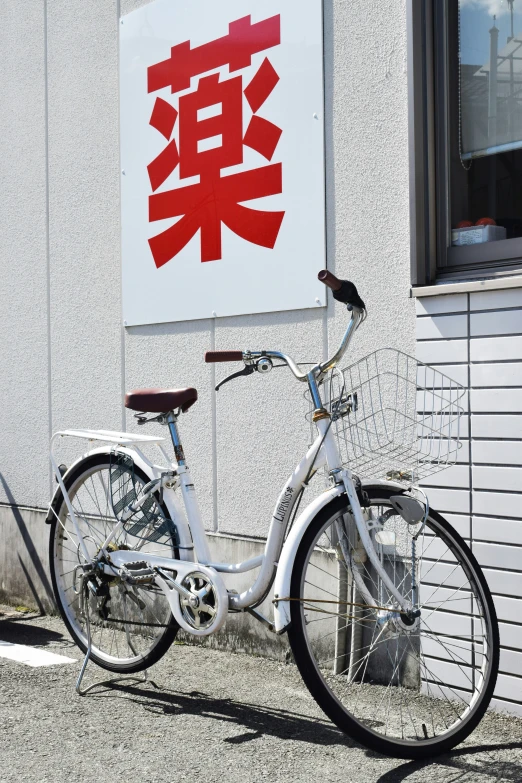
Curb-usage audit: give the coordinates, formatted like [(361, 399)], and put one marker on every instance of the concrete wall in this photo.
[(66, 359), (25, 579), (476, 339)]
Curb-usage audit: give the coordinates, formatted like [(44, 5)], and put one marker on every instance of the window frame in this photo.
[(432, 257)]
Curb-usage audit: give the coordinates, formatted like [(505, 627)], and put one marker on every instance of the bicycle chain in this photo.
[(132, 622), (305, 600)]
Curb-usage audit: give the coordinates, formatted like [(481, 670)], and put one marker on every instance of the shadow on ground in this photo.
[(19, 631), (255, 719), (499, 761), (463, 765)]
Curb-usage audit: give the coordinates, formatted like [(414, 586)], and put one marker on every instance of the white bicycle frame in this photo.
[(277, 562)]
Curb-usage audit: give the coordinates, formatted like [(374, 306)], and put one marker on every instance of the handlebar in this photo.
[(343, 291), (223, 356), (329, 279)]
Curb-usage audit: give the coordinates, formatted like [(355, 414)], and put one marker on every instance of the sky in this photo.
[(476, 19)]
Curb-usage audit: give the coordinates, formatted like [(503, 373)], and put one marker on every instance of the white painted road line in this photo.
[(31, 656)]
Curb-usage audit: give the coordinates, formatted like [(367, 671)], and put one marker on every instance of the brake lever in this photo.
[(248, 369)]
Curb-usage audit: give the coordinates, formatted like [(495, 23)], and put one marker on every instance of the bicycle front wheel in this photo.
[(131, 625), (407, 685)]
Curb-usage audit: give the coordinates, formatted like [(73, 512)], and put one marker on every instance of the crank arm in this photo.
[(162, 579), (171, 586), (192, 600), (134, 598)]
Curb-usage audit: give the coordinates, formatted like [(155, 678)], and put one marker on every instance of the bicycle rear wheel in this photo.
[(407, 686), (131, 625)]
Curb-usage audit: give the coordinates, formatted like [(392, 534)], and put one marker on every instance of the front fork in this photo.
[(366, 540)]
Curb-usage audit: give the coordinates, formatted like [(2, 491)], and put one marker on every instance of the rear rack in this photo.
[(104, 436), (108, 436)]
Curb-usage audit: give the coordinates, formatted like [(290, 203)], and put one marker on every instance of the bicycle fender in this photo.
[(152, 471), (291, 545), (57, 491)]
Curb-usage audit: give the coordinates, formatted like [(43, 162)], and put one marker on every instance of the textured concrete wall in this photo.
[(24, 278), (84, 245), (24, 565), (66, 359)]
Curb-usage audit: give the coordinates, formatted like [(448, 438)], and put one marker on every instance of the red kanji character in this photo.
[(228, 124), (216, 199), (163, 118), (235, 50)]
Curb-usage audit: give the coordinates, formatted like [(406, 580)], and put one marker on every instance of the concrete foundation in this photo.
[(25, 579)]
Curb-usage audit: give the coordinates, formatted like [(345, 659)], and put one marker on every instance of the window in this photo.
[(466, 61)]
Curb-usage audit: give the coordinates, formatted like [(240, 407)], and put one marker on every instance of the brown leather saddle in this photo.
[(160, 400)]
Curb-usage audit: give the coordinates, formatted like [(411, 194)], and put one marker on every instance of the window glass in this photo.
[(485, 96), (491, 76)]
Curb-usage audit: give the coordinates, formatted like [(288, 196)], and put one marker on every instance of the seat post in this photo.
[(174, 434)]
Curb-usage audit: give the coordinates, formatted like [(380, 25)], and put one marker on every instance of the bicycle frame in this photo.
[(128, 544), (277, 561)]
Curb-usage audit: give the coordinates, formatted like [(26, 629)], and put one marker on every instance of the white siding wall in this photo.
[(476, 339)]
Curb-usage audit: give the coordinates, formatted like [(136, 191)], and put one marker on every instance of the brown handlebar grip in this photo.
[(329, 279), (223, 356)]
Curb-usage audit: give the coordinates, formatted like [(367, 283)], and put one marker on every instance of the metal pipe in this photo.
[(342, 624), (493, 84), (320, 369), (355, 320)]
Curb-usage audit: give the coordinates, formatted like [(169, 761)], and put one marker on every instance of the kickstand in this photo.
[(84, 610)]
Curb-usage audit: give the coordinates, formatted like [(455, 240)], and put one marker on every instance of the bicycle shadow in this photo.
[(258, 721), (255, 719), (19, 631), (459, 767)]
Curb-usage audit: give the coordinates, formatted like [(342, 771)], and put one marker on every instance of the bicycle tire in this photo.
[(69, 610), (323, 685)]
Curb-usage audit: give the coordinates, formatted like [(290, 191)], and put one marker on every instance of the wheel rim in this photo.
[(407, 680), (127, 621)]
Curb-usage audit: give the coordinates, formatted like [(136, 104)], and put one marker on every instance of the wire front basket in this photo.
[(393, 417)]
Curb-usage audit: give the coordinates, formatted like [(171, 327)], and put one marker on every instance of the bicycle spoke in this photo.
[(126, 623), (394, 672)]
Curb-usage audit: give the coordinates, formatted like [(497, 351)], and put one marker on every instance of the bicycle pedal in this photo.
[(137, 572)]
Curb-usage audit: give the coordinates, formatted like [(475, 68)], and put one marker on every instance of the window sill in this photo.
[(466, 286)]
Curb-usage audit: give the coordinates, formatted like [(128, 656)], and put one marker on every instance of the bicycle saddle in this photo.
[(160, 400)]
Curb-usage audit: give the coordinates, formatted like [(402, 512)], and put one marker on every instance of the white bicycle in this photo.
[(388, 615)]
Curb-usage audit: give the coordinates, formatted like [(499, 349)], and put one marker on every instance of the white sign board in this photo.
[(222, 156)]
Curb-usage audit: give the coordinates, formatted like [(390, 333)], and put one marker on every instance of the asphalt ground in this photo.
[(210, 716)]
